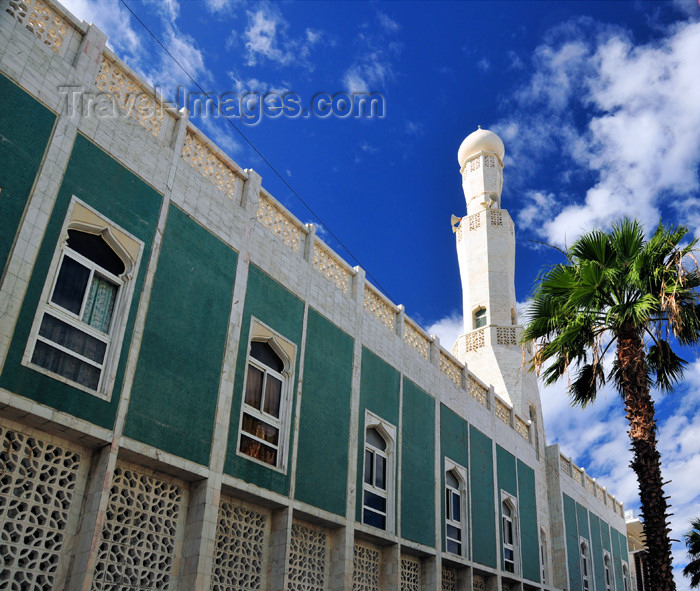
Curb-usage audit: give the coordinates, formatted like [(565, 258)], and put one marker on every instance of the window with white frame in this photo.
[(543, 556), (378, 477), (79, 325), (585, 567), (607, 571), (509, 534), (625, 577), (480, 318), (455, 509), (264, 414)]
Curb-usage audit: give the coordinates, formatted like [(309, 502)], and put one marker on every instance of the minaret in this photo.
[(486, 253)]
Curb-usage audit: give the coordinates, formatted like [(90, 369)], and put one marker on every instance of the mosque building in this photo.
[(197, 393)]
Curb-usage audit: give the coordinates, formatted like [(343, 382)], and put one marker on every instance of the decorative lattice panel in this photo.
[(503, 411), (475, 340), (490, 161), (522, 428), (577, 474), (138, 540), (449, 367), (205, 161), (410, 574), (564, 465), (449, 579), (131, 98), (365, 568), (308, 559), (241, 542), (496, 216), (600, 493), (378, 307), (325, 262), (478, 583), (37, 486), (41, 20), (474, 164), (416, 339), (590, 485), (477, 391), (506, 336), (474, 221), (279, 222)]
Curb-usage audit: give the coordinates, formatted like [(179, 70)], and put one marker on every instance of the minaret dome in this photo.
[(481, 140)]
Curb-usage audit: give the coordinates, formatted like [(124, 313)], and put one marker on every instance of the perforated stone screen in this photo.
[(308, 559), (410, 574), (365, 568), (139, 537), (240, 560), (38, 482)]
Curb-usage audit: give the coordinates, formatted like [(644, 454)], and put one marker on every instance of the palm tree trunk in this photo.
[(646, 460)]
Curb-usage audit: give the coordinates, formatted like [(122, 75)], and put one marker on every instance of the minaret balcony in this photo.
[(490, 336)]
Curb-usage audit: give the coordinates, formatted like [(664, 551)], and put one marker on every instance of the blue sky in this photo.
[(598, 104)]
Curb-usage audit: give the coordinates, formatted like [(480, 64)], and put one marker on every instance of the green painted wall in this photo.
[(176, 384), (617, 544), (482, 503), (379, 393), (582, 517), (417, 465), (529, 536), (126, 200), (282, 311), (507, 481), (454, 444), (324, 422), (605, 535), (25, 130), (571, 541), (597, 552)]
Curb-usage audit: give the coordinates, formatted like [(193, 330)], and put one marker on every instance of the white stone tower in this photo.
[(486, 253)]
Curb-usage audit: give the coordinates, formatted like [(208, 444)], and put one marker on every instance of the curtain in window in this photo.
[(100, 303)]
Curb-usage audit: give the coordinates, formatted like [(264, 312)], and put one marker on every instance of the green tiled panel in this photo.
[(25, 130), (281, 310), (454, 444), (582, 517), (505, 470), (529, 538), (571, 541), (176, 384), (418, 465), (597, 552), (617, 540), (324, 420), (379, 393), (605, 535), (482, 504), (120, 196)]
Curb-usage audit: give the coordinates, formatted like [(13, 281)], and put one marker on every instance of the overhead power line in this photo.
[(214, 99)]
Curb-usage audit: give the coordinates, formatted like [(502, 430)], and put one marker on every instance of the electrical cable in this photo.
[(252, 146)]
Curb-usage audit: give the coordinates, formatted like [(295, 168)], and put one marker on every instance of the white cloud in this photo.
[(372, 66), (641, 142), (447, 329), (484, 64), (266, 38)]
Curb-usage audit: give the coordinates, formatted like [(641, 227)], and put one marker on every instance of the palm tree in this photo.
[(692, 541), (617, 288)]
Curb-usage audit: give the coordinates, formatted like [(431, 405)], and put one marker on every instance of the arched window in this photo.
[(480, 318), (513, 316), (625, 577), (508, 521), (77, 328), (262, 418), (455, 506), (585, 567), (543, 556), (607, 572), (375, 479)]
